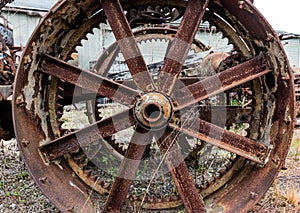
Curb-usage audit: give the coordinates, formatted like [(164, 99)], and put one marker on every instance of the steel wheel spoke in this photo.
[(220, 82), (224, 139), (128, 45), (88, 81), (88, 135), (127, 171), (179, 171), (181, 44)]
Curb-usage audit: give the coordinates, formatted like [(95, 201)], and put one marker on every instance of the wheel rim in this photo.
[(35, 104)]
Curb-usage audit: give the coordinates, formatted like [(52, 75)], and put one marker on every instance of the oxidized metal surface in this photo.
[(8, 56), (153, 110), (118, 161)]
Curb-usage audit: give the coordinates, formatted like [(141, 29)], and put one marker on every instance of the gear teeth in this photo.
[(106, 186), (222, 170), (59, 97), (78, 158), (130, 197), (93, 177), (159, 200), (166, 199), (59, 113), (228, 164), (100, 182), (174, 198), (151, 199), (76, 151), (204, 185), (210, 179), (87, 172), (85, 37), (218, 175), (59, 106), (63, 131), (60, 88)]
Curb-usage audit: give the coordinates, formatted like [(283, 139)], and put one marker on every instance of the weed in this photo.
[(23, 175), (293, 197), (1, 184)]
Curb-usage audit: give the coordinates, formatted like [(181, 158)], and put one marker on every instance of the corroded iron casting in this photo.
[(153, 110), (165, 121)]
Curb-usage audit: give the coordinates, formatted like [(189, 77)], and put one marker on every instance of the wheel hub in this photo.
[(153, 110)]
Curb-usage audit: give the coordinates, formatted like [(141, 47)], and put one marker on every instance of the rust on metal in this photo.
[(153, 110), (180, 173), (89, 81), (256, 95), (180, 46), (127, 44), (84, 137), (220, 82), (225, 139), (128, 168)]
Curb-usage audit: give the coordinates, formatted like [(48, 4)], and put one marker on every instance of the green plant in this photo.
[(23, 175), (1, 184)]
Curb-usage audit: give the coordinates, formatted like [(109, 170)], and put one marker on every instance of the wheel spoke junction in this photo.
[(172, 105)]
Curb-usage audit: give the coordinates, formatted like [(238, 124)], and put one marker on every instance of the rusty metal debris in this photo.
[(8, 57), (209, 133)]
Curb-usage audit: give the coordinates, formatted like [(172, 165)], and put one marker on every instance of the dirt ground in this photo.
[(18, 192)]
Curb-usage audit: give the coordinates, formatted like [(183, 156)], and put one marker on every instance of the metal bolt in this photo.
[(285, 77), (253, 195), (276, 160), (241, 4), (20, 102), (270, 37), (288, 119), (51, 156), (70, 210), (43, 180), (25, 142), (150, 88)]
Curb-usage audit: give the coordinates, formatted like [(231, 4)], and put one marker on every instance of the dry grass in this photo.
[(293, 197), (284, 195)]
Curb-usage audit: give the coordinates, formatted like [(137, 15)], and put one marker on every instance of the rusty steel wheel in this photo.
[(183, 148)]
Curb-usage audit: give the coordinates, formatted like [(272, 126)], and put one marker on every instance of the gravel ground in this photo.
[(18, 192)]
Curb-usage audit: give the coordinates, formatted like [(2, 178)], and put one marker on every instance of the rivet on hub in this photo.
[(25, 142)]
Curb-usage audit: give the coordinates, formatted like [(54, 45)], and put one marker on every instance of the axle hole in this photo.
[(152, 112)]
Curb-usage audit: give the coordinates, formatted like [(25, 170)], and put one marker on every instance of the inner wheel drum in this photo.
[(176, 122)]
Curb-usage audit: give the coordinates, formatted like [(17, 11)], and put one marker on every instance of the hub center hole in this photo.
[(152, 112)]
